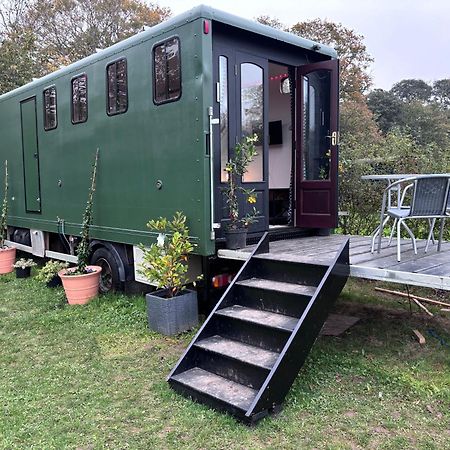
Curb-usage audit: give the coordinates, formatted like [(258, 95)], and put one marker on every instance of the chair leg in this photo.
[(392, 232), (432, 232), (441, 234), (411, 235), (432, 223), (398, 239)]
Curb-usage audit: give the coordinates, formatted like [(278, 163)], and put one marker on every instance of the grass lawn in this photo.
[(93, 377)]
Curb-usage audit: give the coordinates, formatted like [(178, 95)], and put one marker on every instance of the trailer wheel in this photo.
[(109, 280)]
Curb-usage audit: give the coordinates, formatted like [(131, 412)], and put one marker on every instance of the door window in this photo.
[(223, 115), (252, 115), (316, 125)]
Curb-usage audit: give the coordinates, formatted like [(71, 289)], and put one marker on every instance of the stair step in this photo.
[(215, 386), (238, 350), (265, 318), (280, 286)]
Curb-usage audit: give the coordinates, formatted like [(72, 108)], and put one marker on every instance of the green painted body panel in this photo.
[(30, 155), (147, 144)]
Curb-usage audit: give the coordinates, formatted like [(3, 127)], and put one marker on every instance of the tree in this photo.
[(412, 90), (441, 92), (68, 30), (38, 36), (386, 108), (352, 52)]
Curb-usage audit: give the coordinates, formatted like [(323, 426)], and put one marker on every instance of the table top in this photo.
[(400, 176)]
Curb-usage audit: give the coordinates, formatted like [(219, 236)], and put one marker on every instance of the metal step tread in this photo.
[(280, 286), (238, 350), (218, 387), (260, 317)]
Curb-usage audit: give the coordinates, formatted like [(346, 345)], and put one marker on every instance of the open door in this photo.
[(317, 144)]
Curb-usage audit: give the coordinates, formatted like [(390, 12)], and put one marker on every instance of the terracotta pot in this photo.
[(80, 289), (7, 259)]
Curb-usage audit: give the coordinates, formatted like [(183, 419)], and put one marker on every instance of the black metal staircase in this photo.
[(247, 354)]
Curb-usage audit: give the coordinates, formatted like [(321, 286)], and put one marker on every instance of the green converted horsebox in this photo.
[(166, 108)]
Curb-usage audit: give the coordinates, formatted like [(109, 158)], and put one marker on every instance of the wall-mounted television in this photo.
[(275, 133)]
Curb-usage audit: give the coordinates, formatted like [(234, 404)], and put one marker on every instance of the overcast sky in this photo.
[(407, 38)]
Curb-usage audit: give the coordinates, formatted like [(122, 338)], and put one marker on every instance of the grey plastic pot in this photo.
[(174, 315)]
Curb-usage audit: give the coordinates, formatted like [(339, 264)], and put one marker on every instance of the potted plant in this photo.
[(23, 267), (236, 167), (82, 281), (49, 273), (7, 254), (171, 309)]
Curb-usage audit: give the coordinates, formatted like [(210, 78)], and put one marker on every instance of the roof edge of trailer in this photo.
[(201, 11), (250, 25)]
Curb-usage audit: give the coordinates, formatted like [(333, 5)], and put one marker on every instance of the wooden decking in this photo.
[(430, 269)]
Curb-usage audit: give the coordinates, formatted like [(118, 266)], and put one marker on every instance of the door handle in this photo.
[(334, 138)]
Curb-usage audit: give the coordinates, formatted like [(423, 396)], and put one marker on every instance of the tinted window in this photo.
[(50, 116), (116, 76), (167, 71), (79, 99)]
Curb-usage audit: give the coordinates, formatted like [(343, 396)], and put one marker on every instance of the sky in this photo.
[(407, 38)]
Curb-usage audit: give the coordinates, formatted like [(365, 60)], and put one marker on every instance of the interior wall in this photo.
[(280, 156)]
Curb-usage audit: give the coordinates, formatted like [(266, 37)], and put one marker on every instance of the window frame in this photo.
[(84, 74), (158, 44), (53, 86), (110, 114)]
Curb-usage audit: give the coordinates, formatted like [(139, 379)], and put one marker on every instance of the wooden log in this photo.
[(445, 309), (422, 299), (419, 336), (422, 306)]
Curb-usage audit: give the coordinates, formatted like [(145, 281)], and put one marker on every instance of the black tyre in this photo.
[(109, 280)]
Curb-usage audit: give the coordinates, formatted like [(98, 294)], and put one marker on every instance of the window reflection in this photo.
[(316, 145), (223, 99), (167, 71), (50, 116), (79, 99), (252, 115)]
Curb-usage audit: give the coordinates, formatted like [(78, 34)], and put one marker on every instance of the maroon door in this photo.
[(317, 145)]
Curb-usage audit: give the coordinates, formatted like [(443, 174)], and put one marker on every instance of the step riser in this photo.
[(208, 401), (249, 333), (273, 301), (229, 368), (287, 272)]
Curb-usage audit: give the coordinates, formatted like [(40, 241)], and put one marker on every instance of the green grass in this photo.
[(93, 377)]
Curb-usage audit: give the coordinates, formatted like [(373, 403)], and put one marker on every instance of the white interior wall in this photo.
[(280, 156)]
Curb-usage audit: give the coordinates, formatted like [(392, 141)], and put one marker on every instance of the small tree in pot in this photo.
[(171, 309), (7, 254), (81, 282), (236, 167)]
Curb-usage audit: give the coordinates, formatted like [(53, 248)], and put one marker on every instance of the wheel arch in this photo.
[(118, 251)]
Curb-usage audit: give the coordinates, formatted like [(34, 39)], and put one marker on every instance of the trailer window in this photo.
[(79, 99), (167, 71), (50, 115), (117, 83)]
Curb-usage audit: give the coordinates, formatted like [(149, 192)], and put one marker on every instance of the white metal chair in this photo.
[(429, 201)]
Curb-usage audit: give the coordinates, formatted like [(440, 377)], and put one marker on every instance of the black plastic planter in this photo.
[(23, 272), (174, 315), (54, 282), (236, 239)]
